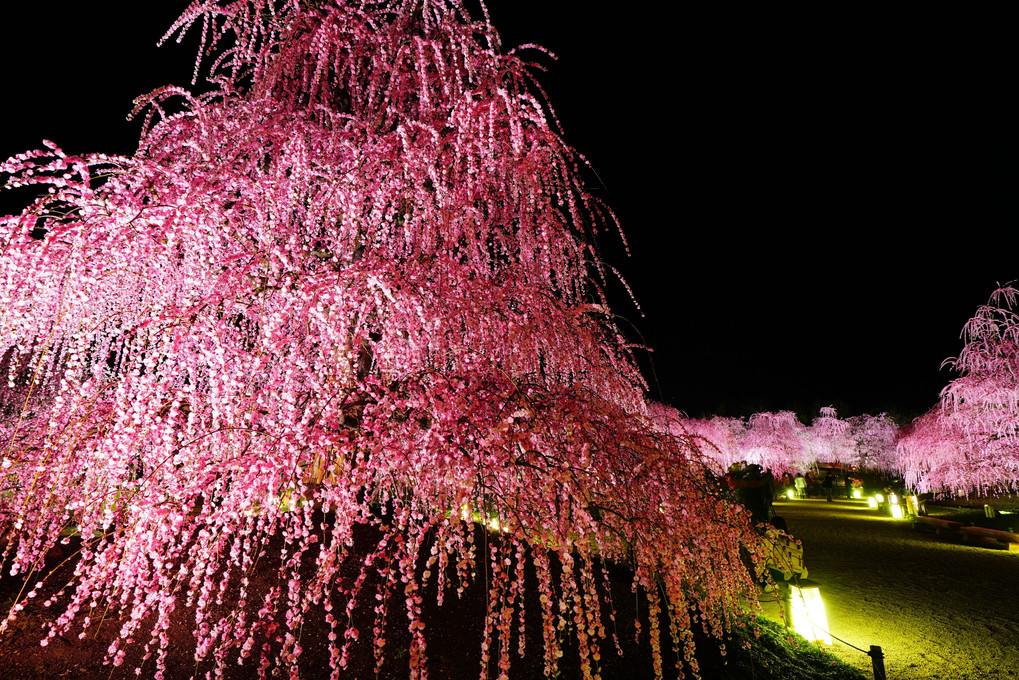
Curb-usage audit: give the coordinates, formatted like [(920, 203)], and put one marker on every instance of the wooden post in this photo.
[(877, 658)]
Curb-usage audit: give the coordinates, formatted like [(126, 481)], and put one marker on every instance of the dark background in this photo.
[(816, 201)]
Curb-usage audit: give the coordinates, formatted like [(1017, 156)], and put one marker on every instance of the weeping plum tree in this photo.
[(874, 440), (780, 439), (717, 439), (830, 439), (354, 283), (970, 441), (779, 442), (928, 453)]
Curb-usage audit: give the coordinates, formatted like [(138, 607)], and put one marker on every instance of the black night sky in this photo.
[(816, 201)]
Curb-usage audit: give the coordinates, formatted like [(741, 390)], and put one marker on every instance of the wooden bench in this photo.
[(939, 525), (784, 555), (1009, 538)]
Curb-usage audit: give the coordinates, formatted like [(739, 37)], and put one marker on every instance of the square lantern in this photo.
[(809, 619), (894, 506)]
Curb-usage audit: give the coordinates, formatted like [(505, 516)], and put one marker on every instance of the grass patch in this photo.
[(779, 654)]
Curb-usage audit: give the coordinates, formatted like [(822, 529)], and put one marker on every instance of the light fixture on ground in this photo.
[(894, 506), (809, 619)]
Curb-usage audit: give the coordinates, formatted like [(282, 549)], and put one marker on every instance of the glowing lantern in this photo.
[(872, 502), (790, 494), (809, 619), (880, 497), (857, 494), (893, 505)]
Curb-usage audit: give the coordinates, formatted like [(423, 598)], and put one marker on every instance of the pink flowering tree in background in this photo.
[(781, 443), (970, 442), (829, 437), (723, 436), (929, 454), (355, 280), (717, 439), (875, 440), (776, 441)]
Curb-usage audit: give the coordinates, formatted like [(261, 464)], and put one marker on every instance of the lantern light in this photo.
[(809, 619), (894, 507), (871, 501), (857, 494), (790, 494)]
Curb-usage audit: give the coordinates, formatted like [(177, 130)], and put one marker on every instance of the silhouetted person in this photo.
[(755, 492), (801, 486), (826, 484)]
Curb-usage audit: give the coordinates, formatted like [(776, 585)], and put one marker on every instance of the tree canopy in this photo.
[(969, 442), (355, 282)]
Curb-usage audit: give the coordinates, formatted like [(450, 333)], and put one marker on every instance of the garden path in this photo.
[(940, 609)]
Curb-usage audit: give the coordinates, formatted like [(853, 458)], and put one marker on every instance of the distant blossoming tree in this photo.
[(778, 440), (723, 436), (874, 440), (970, 442), (928, 450), (781, 443), (717, 438), (358, 278), (830, 439)]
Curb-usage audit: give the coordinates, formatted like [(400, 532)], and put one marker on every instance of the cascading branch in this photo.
[(357, 274)]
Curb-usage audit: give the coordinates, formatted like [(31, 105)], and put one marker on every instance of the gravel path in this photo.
[(939, 609)]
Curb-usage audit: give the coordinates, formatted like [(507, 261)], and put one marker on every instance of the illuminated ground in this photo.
[(940, 609)]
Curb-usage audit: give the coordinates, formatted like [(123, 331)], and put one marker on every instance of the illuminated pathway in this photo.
[(940, 610)]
